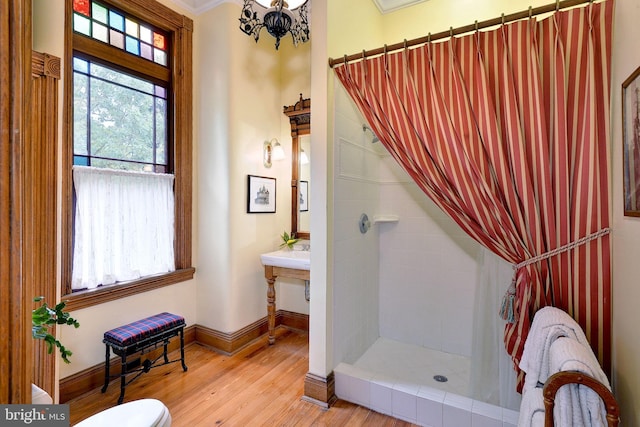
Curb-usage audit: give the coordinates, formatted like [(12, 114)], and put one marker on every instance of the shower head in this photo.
[(367, 128)]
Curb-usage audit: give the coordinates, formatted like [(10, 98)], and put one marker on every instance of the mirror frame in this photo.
[(300, 120)]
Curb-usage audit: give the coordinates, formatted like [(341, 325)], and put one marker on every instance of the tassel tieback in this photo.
[(507, 309)]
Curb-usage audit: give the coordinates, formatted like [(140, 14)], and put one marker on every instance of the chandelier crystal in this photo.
[(277, 18)]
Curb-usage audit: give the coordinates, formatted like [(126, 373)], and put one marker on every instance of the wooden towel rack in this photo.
[(561, 378)]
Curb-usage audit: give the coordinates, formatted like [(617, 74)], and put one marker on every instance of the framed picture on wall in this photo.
[(304, 196), (631, 143), (261, 194)]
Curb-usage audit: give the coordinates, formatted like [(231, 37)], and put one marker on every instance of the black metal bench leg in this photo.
[(123, 374), (184, 366), (106, 369)]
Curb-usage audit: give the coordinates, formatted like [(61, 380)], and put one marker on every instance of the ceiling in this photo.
[(390, 5), (199, 6)]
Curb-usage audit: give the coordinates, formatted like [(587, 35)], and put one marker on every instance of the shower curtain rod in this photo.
[(532, 11)]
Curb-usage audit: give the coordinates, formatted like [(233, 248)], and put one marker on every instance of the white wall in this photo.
[(239, 108), (320, 307), (356, 255)]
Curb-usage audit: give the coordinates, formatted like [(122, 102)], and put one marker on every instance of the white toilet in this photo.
[(138, 413)]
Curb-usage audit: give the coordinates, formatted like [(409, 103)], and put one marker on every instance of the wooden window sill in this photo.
[(89, 298)]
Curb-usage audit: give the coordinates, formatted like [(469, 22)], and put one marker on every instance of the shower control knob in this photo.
[(364, 223)]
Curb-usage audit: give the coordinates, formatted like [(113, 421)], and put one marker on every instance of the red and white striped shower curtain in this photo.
[(508, 132)]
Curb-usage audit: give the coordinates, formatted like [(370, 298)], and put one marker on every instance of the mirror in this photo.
[(300, 120), (304, 174)]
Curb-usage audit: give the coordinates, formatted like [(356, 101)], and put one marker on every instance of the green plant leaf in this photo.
[(42, 317), (288, 240)]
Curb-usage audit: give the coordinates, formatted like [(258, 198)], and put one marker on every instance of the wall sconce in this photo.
[(272, 150), (304, 159)]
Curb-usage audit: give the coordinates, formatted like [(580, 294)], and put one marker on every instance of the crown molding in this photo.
[(200, 6), (386, 6)]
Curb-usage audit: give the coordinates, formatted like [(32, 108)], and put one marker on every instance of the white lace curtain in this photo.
[(124, 226)]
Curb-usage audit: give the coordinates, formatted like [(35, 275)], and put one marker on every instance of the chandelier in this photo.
[(277, 18)]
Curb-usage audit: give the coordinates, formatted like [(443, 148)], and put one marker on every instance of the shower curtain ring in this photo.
[(530, 11), (429, 38), (502, 19), (557, 5), (405, 44), (450, 32), (363, 55), (476, 24), (385, 50), (345, 59)]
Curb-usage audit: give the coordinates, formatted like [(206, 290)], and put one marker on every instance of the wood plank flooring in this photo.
[(261, 385)]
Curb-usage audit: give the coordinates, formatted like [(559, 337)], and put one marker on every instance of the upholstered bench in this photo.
[(139, 336)]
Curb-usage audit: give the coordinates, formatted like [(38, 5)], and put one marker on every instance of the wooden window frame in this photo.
[(179, 29)]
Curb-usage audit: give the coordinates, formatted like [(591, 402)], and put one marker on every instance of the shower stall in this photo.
[(416, 330)]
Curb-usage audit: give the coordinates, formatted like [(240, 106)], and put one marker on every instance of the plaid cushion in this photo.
[(141, 329)]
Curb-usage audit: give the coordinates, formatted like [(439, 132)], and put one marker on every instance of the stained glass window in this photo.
[(133, 45), (116, 20), (82, 6), (131, 27), (99, 13), (145, 34), (159, 56), (145, 51), (100, 32), (158, 41), (113, 27), (117, 39), (81, 24)]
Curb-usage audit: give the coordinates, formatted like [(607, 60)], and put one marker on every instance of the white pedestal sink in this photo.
[(286, 258), (284, 263)]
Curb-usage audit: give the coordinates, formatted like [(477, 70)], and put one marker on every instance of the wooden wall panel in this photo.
[(40, 177)]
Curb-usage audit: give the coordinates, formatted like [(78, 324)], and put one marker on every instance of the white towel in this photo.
[(575, 404), (549, 324), (532, 409)]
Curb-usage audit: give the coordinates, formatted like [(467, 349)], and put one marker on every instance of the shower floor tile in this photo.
[(415, 365)]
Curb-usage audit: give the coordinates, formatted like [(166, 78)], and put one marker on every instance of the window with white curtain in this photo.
[(126, 215), (123, 222), (124, 226)]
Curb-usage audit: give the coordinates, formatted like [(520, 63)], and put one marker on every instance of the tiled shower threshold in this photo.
[(397, 379)]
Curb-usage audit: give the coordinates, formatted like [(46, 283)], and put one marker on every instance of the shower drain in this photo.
[(440, 378)]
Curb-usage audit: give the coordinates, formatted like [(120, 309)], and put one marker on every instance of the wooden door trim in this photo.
[(15, 289)]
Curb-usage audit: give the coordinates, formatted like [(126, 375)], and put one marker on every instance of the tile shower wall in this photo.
[(428, 269), (412, 281), (356, 255)]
